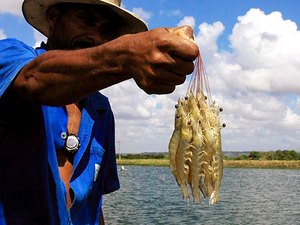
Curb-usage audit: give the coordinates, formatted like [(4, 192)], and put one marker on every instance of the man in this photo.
[(57, 155)]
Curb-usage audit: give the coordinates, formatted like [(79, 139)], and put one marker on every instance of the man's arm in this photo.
[(157, 60)]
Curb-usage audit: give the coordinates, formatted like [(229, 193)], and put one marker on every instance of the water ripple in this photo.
[(150, 195)]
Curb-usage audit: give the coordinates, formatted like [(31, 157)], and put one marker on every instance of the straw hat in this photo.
[(35, 13)]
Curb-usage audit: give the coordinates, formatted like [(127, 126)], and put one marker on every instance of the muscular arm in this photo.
[(157, 60)]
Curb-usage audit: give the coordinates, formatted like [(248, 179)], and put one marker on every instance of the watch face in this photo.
[(72, 143)]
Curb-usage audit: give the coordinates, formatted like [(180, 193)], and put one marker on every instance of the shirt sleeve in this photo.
[(14, 55), (111, 180)]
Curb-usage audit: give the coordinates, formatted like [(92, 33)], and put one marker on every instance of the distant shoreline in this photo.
[(268, 164)]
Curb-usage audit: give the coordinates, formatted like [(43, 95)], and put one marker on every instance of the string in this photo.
[(199, 81)]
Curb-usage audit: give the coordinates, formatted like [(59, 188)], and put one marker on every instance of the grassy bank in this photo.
[(293, 164), (144, 162)]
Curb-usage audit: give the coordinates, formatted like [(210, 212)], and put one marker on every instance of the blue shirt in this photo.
[(31, 189)]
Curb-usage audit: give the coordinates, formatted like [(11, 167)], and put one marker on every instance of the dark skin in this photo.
[(157, 60), (87, 52)]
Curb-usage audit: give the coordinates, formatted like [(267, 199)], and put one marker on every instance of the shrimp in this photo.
[(175, 139), (183, 153), (195, 176), (217, 169), (196, 145), (195, 149)]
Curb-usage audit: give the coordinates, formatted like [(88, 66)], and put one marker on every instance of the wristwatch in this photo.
[(72, 143)]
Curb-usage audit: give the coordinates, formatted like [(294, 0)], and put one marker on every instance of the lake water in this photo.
[(150, 195)]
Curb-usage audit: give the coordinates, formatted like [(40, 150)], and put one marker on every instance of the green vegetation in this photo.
[(283, 164), (272, 155), (144, 156), (253, 155), (144, 162), (268, 164), (289, 159)]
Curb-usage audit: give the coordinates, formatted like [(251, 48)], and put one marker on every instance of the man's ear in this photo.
[(51, 16)]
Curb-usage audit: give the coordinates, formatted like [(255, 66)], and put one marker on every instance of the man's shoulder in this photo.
[(13, 42), (100, 101), (15, 45)]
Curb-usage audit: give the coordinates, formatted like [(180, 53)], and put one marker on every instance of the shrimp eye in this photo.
[(177, 117), (189, 122), (186, 98), (224, 125), (205, 97), (176, 106), (221, 109)]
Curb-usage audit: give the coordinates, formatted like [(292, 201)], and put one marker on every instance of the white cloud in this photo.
[(270, 43), (2, 34), (11, 6), (143, 122), (255, 82), (208, 35), (142, 13), (187, 20), (291, 120), (38, 37), (297, 105)]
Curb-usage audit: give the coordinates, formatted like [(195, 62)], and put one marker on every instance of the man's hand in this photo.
[(160, 59), (183, 32), (157, 60)]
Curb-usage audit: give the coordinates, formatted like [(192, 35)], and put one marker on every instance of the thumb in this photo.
[(185, 32)]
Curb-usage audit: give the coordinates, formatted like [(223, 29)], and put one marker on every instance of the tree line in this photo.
[(144, 156), (271, 155), (253, 155)]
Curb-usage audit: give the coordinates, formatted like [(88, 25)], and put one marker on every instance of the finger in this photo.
[(168, 78), (172, 64), (186, 32), (160, 89), (180, 47), (166, 89), (185, 49), (182, 67), (160, 84)]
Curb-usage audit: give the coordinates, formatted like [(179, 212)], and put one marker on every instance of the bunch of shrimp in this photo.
[(195, 149)]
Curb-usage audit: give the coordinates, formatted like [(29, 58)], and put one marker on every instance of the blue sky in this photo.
[(167, 13), (251, 50)]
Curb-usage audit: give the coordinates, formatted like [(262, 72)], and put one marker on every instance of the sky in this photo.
[(251, 52)]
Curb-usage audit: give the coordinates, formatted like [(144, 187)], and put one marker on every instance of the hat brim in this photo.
[(34, 12)]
